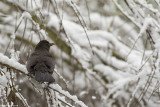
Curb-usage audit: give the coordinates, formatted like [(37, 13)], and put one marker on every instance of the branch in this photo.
[(58, 89), (10, 63)]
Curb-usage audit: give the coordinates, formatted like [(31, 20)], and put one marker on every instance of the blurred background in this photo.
[(106, 52)]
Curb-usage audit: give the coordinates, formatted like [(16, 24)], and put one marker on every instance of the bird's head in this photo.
[(43, 45)]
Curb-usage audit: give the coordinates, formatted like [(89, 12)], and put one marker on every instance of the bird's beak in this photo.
[(51, 44)]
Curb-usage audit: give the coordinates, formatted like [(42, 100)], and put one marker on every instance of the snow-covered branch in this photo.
[(12, 64)]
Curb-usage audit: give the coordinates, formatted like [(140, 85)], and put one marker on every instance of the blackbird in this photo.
[(41, 64)]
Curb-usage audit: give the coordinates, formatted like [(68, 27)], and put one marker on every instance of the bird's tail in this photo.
[(44, 77)]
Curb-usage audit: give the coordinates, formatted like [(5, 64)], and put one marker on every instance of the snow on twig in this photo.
[(10, 63), (58, 89), (126, 14), (81, 20)]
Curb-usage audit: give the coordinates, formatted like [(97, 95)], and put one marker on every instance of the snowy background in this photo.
[(107, 52)]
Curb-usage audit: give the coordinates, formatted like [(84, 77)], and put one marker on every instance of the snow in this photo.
[(3, 81), (72, 28), (93, 97), (119, 64), (126, 14), (53, 22), (108, 71), (65, 93), (13, 36), (43, 33), (26, 14), (97, 38), (124, 38), (146, 23), (83, 93), (12, 63), (120, 84), (22, 98)]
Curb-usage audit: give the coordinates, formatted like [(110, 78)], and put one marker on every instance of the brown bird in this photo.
[(41, 64)]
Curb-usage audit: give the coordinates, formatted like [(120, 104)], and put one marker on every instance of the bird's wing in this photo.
[(32, 61), (37, 58), (42, 73), (50, 63)]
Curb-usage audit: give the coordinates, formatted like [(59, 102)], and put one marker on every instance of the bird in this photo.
[(41, 64)]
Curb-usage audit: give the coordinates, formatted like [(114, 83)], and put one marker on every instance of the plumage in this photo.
[(41, 64)]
